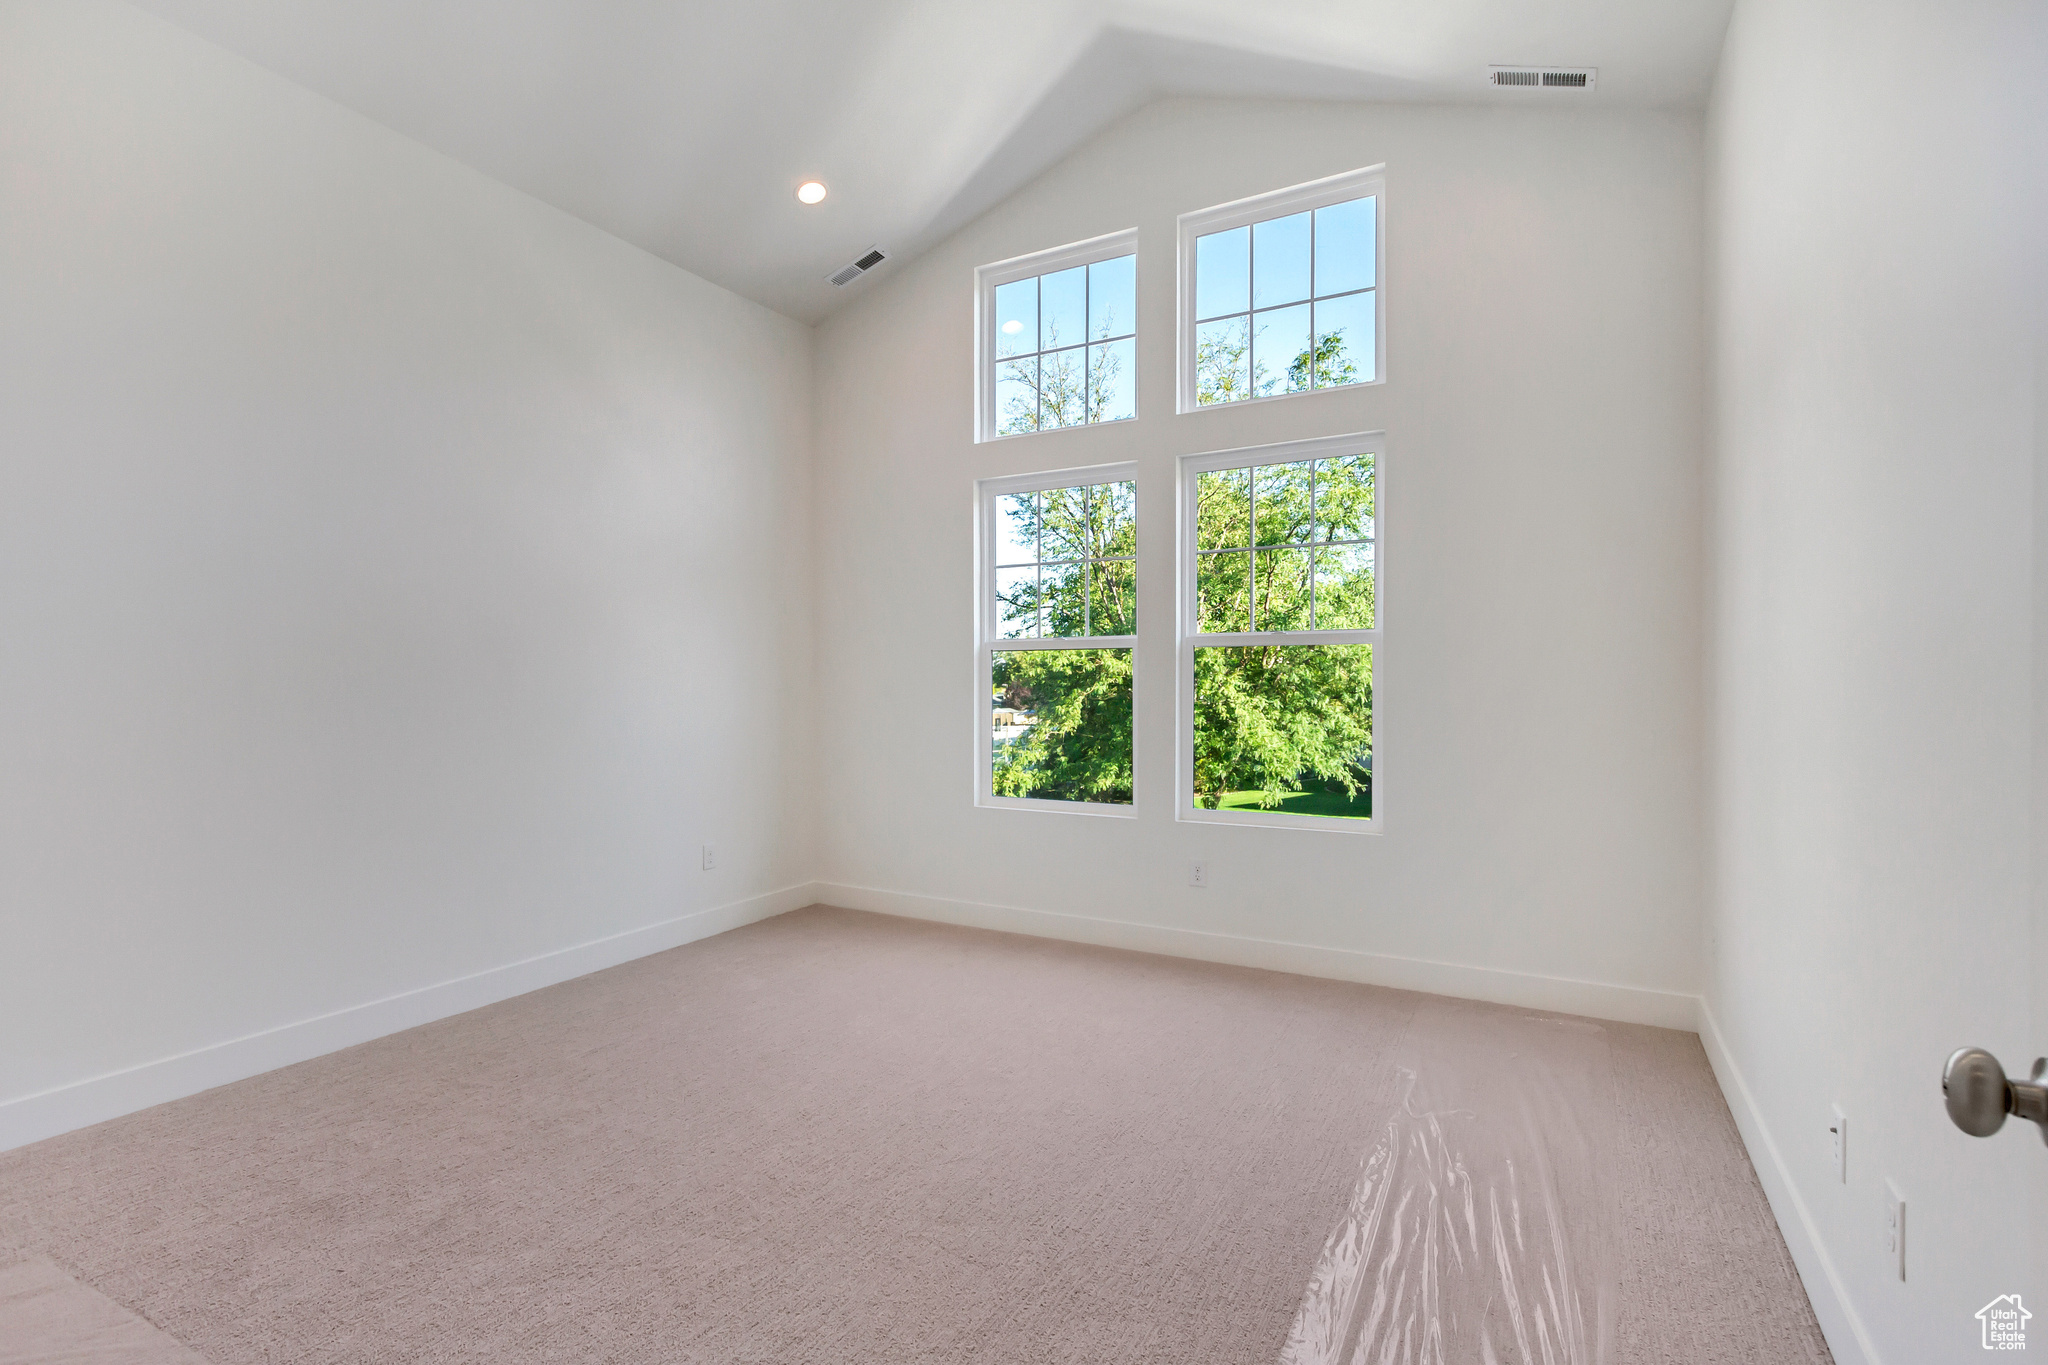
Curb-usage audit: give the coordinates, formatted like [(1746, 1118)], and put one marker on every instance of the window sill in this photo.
[(1095, 808), (1334, 824)]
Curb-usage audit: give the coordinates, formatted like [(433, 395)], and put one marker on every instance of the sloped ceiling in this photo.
[(685, 127)]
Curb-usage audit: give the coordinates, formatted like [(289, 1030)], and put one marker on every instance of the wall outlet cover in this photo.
[(1895, 1227)]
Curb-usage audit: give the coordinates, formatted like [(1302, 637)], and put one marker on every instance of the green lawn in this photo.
[(1306, 803)]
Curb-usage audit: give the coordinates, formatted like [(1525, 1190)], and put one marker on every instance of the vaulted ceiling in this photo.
[(684, 127)]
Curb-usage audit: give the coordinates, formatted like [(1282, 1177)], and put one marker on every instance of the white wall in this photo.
[(1875, 261), (1538, 692), (398, 578)]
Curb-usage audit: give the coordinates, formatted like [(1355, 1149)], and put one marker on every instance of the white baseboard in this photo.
[(1839, 1321), (31, 1118), (1598, 1000)]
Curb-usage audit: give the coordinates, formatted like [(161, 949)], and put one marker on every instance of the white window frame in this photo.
[(1373, 443), (987, 639), (986, 280), (1316, 194)]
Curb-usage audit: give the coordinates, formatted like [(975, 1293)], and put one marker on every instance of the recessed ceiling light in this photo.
[(811, 191), (1012, 327)]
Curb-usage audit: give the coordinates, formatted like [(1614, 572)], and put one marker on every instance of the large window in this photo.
[(1280, 626), (1280, 294), (1057, 338), (1058, 622)]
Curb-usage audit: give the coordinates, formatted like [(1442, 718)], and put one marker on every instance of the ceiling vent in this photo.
[(1543, 77), (860, 267)]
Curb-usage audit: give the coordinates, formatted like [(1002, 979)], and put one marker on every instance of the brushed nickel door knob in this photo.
[(1978, 1095)]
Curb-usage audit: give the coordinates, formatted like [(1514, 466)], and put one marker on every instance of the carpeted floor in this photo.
[(836, 1137)]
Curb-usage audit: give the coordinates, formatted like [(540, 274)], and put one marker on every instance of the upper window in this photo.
[(1057, 343), (1059, 619), (1280, 293)]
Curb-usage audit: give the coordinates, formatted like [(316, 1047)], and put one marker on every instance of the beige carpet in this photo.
[(835, 1137), (49, 1318)]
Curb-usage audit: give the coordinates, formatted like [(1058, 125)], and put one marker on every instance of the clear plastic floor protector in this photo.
[(1478, 1231)]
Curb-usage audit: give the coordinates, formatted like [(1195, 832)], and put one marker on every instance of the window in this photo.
[(1057, 338), (1280, 293), (1059, 617), (1280, 628)]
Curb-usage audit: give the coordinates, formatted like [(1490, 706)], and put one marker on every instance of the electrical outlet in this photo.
[(1895, 1227), (1839, 1132), (710, 857), (1198, 874)]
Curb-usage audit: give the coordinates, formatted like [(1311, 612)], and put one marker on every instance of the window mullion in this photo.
[(1087, 535), (1312, 556), (1087, 284), (1362, 635), (1251, 493), (1315, 381), (1056, 643), (1038, 367)]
